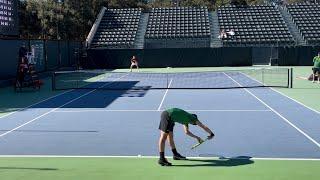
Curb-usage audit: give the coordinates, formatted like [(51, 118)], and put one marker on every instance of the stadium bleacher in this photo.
[(179, 23), (254, 25), (188, 36), (118, 28), (307, 18), (193, 27)]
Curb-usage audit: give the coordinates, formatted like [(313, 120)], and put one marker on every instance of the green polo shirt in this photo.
[(181, 116), (316, 62)]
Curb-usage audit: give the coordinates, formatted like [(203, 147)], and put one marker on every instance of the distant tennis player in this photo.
[(316, 68), (134, 62), (167, 122)]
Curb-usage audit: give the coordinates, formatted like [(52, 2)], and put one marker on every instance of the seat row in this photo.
[(254, 24), (307, 18), (117, 27), (178, 22)]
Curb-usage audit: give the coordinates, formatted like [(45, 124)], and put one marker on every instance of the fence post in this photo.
[(59, 54), (53, 81), (45, 54), (69, 61)]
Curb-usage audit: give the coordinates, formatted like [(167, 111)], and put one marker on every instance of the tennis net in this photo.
[(101, 79)]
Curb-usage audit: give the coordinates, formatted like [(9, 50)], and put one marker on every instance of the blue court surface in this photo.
[(255, 122)]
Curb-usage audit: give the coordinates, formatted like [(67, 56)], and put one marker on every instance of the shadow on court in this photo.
[(93, 97), (24, 168), (222, 162)]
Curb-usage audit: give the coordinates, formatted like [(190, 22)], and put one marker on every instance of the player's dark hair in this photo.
[(196, 117)]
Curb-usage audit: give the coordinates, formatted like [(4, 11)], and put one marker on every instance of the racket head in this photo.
[(196, 145)]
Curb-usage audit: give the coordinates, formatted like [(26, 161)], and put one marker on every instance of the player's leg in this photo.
[(313, 74), (176, 155), (131, 67), (316, 74), (171, 140), (136, 66), (164, 132), (162, 142)]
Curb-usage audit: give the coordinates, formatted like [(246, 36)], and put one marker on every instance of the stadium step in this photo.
[(139, 41), (292, 26), (90, 38), (215, 30)]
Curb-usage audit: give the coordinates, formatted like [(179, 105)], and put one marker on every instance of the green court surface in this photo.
[(303, 90), (147, 168)]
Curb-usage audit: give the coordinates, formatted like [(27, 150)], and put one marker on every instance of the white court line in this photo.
[(282, 117), (285, 95), (14, 129), (147, 110), (22, 109), (295, 101), (155, 157), (164, 96)]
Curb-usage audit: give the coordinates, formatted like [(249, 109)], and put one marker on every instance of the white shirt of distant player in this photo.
[(135, 63)]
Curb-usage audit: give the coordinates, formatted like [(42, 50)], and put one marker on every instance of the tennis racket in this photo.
[(198, 144)]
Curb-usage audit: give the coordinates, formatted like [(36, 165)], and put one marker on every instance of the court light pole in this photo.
[(58, 32), (58, 19), (42, 21)]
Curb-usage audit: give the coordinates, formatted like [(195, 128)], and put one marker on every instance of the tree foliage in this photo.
[(51, 19), (73, 19)]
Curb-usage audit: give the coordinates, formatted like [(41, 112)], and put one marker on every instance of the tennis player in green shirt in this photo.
[(168, 119), (316, 67)]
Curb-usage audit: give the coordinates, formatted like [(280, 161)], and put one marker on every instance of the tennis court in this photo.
[(122, 121)]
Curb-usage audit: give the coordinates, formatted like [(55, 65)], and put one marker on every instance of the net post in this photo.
[(291, 77), (288, 78), (53, 81), (262, 74), (167, 80), (77, 83)]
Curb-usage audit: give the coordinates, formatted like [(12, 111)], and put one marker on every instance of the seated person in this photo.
[(223, 34), (23, 70), (316, 68), (26, 76)]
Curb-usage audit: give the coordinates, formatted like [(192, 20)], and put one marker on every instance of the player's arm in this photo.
[(189, 133), (205, 128)]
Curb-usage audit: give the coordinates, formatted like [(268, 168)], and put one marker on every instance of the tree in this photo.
[(160, 3), (51, 19)]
